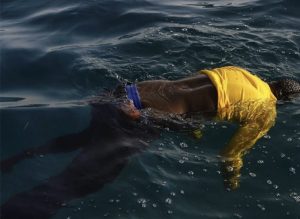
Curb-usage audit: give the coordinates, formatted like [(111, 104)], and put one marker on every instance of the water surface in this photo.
[(56, 54)]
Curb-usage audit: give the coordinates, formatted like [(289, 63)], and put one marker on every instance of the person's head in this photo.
[(283, 89), (119, 91)]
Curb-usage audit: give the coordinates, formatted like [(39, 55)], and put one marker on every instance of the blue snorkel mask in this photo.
[(133, 95)]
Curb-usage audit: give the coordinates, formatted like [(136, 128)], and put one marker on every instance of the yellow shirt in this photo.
[(245, 98), (237, 90)]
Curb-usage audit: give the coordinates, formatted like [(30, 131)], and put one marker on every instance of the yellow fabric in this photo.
[(261, 119), (247, 99), (236, 88), (197, 133)]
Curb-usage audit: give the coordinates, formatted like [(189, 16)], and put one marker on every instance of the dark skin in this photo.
[(193, 94)]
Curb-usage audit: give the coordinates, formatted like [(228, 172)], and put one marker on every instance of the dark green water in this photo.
[(55, 54)]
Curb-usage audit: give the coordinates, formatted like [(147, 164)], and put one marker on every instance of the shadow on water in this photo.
[(105, 147)]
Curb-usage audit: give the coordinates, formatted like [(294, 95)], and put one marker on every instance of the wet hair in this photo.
[(119, 91), (286, 87)]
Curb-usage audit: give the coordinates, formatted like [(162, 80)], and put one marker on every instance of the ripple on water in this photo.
[(56, 53)]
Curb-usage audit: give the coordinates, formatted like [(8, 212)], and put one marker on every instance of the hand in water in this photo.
[(231, 173), (129, 109)]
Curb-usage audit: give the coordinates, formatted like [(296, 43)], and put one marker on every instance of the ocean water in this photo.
[(55, 55)]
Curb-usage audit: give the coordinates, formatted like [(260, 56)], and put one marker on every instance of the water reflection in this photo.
[(105, 146)]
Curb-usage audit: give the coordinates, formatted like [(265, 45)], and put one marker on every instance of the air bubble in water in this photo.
[(143, 202), (261, 207), (168, 201), (183, 145), (252, 174), (293, 170), (191, 173), (237, 215), (229, 168), (296, 198)]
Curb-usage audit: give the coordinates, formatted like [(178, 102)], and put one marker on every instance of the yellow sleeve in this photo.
[(244, 139)]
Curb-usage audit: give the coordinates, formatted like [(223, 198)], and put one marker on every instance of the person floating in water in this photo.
[(228, 93), (113, 135)]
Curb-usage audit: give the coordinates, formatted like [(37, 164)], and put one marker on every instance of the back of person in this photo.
[(240, 93)]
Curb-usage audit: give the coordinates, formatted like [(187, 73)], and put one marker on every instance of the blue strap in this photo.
[(133, 94)]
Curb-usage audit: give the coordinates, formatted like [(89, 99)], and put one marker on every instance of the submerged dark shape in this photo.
[(105, 147)]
